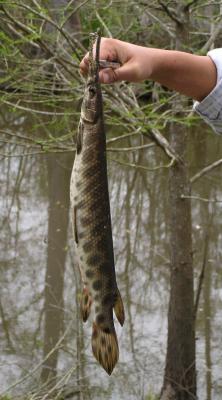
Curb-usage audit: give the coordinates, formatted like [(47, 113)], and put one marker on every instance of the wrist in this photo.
[(154, 64)]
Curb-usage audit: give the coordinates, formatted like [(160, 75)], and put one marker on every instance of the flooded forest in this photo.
[(164, 174)]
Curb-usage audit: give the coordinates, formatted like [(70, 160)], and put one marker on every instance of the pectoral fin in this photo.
[(119, 309), (79, 138), (75, 225)]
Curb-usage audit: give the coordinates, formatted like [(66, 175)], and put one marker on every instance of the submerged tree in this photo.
[(180, 370)]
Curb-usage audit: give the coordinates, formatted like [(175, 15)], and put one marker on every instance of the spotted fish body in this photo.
[(92, 224)]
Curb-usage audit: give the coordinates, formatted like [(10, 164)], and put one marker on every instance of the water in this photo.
[(40, 288)]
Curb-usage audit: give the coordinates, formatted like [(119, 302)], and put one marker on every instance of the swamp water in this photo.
[(40, 287)]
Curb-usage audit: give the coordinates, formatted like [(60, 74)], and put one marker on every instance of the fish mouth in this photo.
[(93, 76)]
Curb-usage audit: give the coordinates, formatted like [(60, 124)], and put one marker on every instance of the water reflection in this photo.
[(59, 169), (44, 344)]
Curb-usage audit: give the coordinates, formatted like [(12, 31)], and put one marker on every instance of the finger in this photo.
[(106, 76), (126, 72)]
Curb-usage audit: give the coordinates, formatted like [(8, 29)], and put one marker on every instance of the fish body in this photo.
[(92, 225)]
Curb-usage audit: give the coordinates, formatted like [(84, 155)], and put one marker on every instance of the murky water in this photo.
[(41, 335)]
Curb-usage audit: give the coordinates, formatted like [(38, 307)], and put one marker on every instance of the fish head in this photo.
[(92, 101)]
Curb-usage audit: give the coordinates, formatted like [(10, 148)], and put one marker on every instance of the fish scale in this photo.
[(91, 220)]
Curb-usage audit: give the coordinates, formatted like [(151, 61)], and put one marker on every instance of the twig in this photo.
[(170, 14), (161, 23), (201, 199), (201, 277), (20, 143), (65, 378), (119, 94), (35, 111), (33, 153), (212, 38), (179, 385), (124, 136), (137, 166), (190, 4), (163, 142), (73, 11), (104, 25), (43, 45), (133, 148), (32, 372), (21, 36), (205, 170), (73, 42), (153, 132)]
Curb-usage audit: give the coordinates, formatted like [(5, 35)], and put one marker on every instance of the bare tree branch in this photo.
[(201, 277), (190, 4), (205, 170), (161, 23), (215, 33), (170, 13), (74, 43), (201, 199)]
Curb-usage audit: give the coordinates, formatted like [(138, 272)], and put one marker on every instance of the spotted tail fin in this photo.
[(105, 348)]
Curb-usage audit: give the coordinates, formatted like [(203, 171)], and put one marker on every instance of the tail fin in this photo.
[(86, 302), (119, 309), (105, 348)]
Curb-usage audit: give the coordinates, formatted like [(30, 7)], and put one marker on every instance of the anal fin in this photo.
[(86, 302), (119, 309)]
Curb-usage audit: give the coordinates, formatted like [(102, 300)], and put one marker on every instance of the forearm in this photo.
[(191, 75)]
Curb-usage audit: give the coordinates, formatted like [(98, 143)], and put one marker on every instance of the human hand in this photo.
[(189, 74), (133, 59)]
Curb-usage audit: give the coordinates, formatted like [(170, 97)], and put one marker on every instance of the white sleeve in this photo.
[(210, 108)]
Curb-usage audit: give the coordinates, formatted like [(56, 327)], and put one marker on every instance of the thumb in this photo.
[(123, 73)]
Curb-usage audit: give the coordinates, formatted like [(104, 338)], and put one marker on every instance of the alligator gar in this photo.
[(91, 219)]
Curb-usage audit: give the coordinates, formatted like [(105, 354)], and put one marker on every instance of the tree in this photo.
[(180, 370)]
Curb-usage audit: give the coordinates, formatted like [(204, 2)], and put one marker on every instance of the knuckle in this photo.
[(106, 41)]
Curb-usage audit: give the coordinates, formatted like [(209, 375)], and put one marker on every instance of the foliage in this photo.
[(151, 397), (42, 44), (6, 397)]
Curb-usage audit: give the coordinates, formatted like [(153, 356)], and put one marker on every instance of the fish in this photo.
[(91, 221)]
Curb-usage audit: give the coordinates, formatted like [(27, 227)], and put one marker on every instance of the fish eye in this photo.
[(92, 91)]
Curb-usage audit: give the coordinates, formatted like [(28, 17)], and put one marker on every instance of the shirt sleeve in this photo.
[(210, 108)]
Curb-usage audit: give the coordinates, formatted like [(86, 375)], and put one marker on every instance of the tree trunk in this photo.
[(180, 375), (59, 170), (180, 371)]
